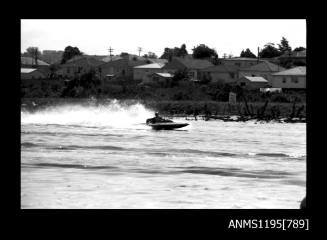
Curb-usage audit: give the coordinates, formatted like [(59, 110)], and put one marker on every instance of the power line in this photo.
[(139, 49), (110, 50)]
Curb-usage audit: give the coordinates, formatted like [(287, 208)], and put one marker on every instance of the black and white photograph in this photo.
[(163, 114)]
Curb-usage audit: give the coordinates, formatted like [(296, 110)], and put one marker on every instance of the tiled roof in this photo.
[(194, 63), (131, 57), (265, 66), (222, 68), (158, 60), (27, 70), (295, 54), (297, 71), (255, 79), (30, 61), (239, 59), (90, 60)]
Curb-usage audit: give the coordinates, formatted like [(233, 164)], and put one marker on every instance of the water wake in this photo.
[(112, 114)]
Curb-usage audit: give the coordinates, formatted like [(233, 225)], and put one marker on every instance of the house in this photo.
[(79, 65), (241, 62), (295, 56), (193, 66), (121, 67), (144, 72), (225, 73), (157, 60), (31, 73), (264, 69), (161, 78), (29, 62), (252, 82), (294, 78), (130, 57)]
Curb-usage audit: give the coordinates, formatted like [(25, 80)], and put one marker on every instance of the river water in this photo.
[(77, 156)]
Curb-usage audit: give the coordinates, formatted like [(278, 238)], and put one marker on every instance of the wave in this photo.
[(201, 152), (71, 147), (281, 155), (78, 166), (111, 114), (28, 144), (72, 134)]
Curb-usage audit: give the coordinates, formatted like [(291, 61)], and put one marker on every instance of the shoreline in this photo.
[(195, 110)]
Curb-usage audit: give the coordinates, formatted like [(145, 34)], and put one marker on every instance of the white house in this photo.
[(291, 78), (144, 72), (252, 82), (31, 73)]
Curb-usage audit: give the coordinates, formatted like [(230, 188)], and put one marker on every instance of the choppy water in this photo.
[(75, 156)]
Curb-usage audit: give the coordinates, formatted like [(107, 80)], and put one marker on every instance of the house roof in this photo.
[(30, 61), (222, 68), (191, 63), (239, 59), (151, 65), (255, 79), (300, 54), (27, 70), (118, 57), (165, 75), (265, 66), (88, 59), (297, 71), (158, 60)]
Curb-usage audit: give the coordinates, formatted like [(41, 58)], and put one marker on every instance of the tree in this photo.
[(179, 75), (69, 53), (298, 49), (34, 53), (269, 51), (182, 51), (284, 46), (124, 54), (152, 55), (247, 53), (169, 53), (202, 51)]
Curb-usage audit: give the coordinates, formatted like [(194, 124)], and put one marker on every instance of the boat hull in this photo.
[(167, 126)]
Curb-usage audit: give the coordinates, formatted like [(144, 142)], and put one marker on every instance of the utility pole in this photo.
[(140, 50), (258, 55), (110, 50)]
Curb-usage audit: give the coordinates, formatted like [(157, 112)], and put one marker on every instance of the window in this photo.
[(284, 80), (238, 64), (294, 79), (242, 84), (232, 75)]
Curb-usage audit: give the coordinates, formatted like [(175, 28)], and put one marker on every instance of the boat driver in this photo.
[(156, 119)]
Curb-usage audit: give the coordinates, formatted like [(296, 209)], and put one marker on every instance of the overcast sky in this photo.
[(96, 36)]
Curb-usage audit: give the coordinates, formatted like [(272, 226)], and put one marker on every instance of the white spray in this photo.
[(113, 114)]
